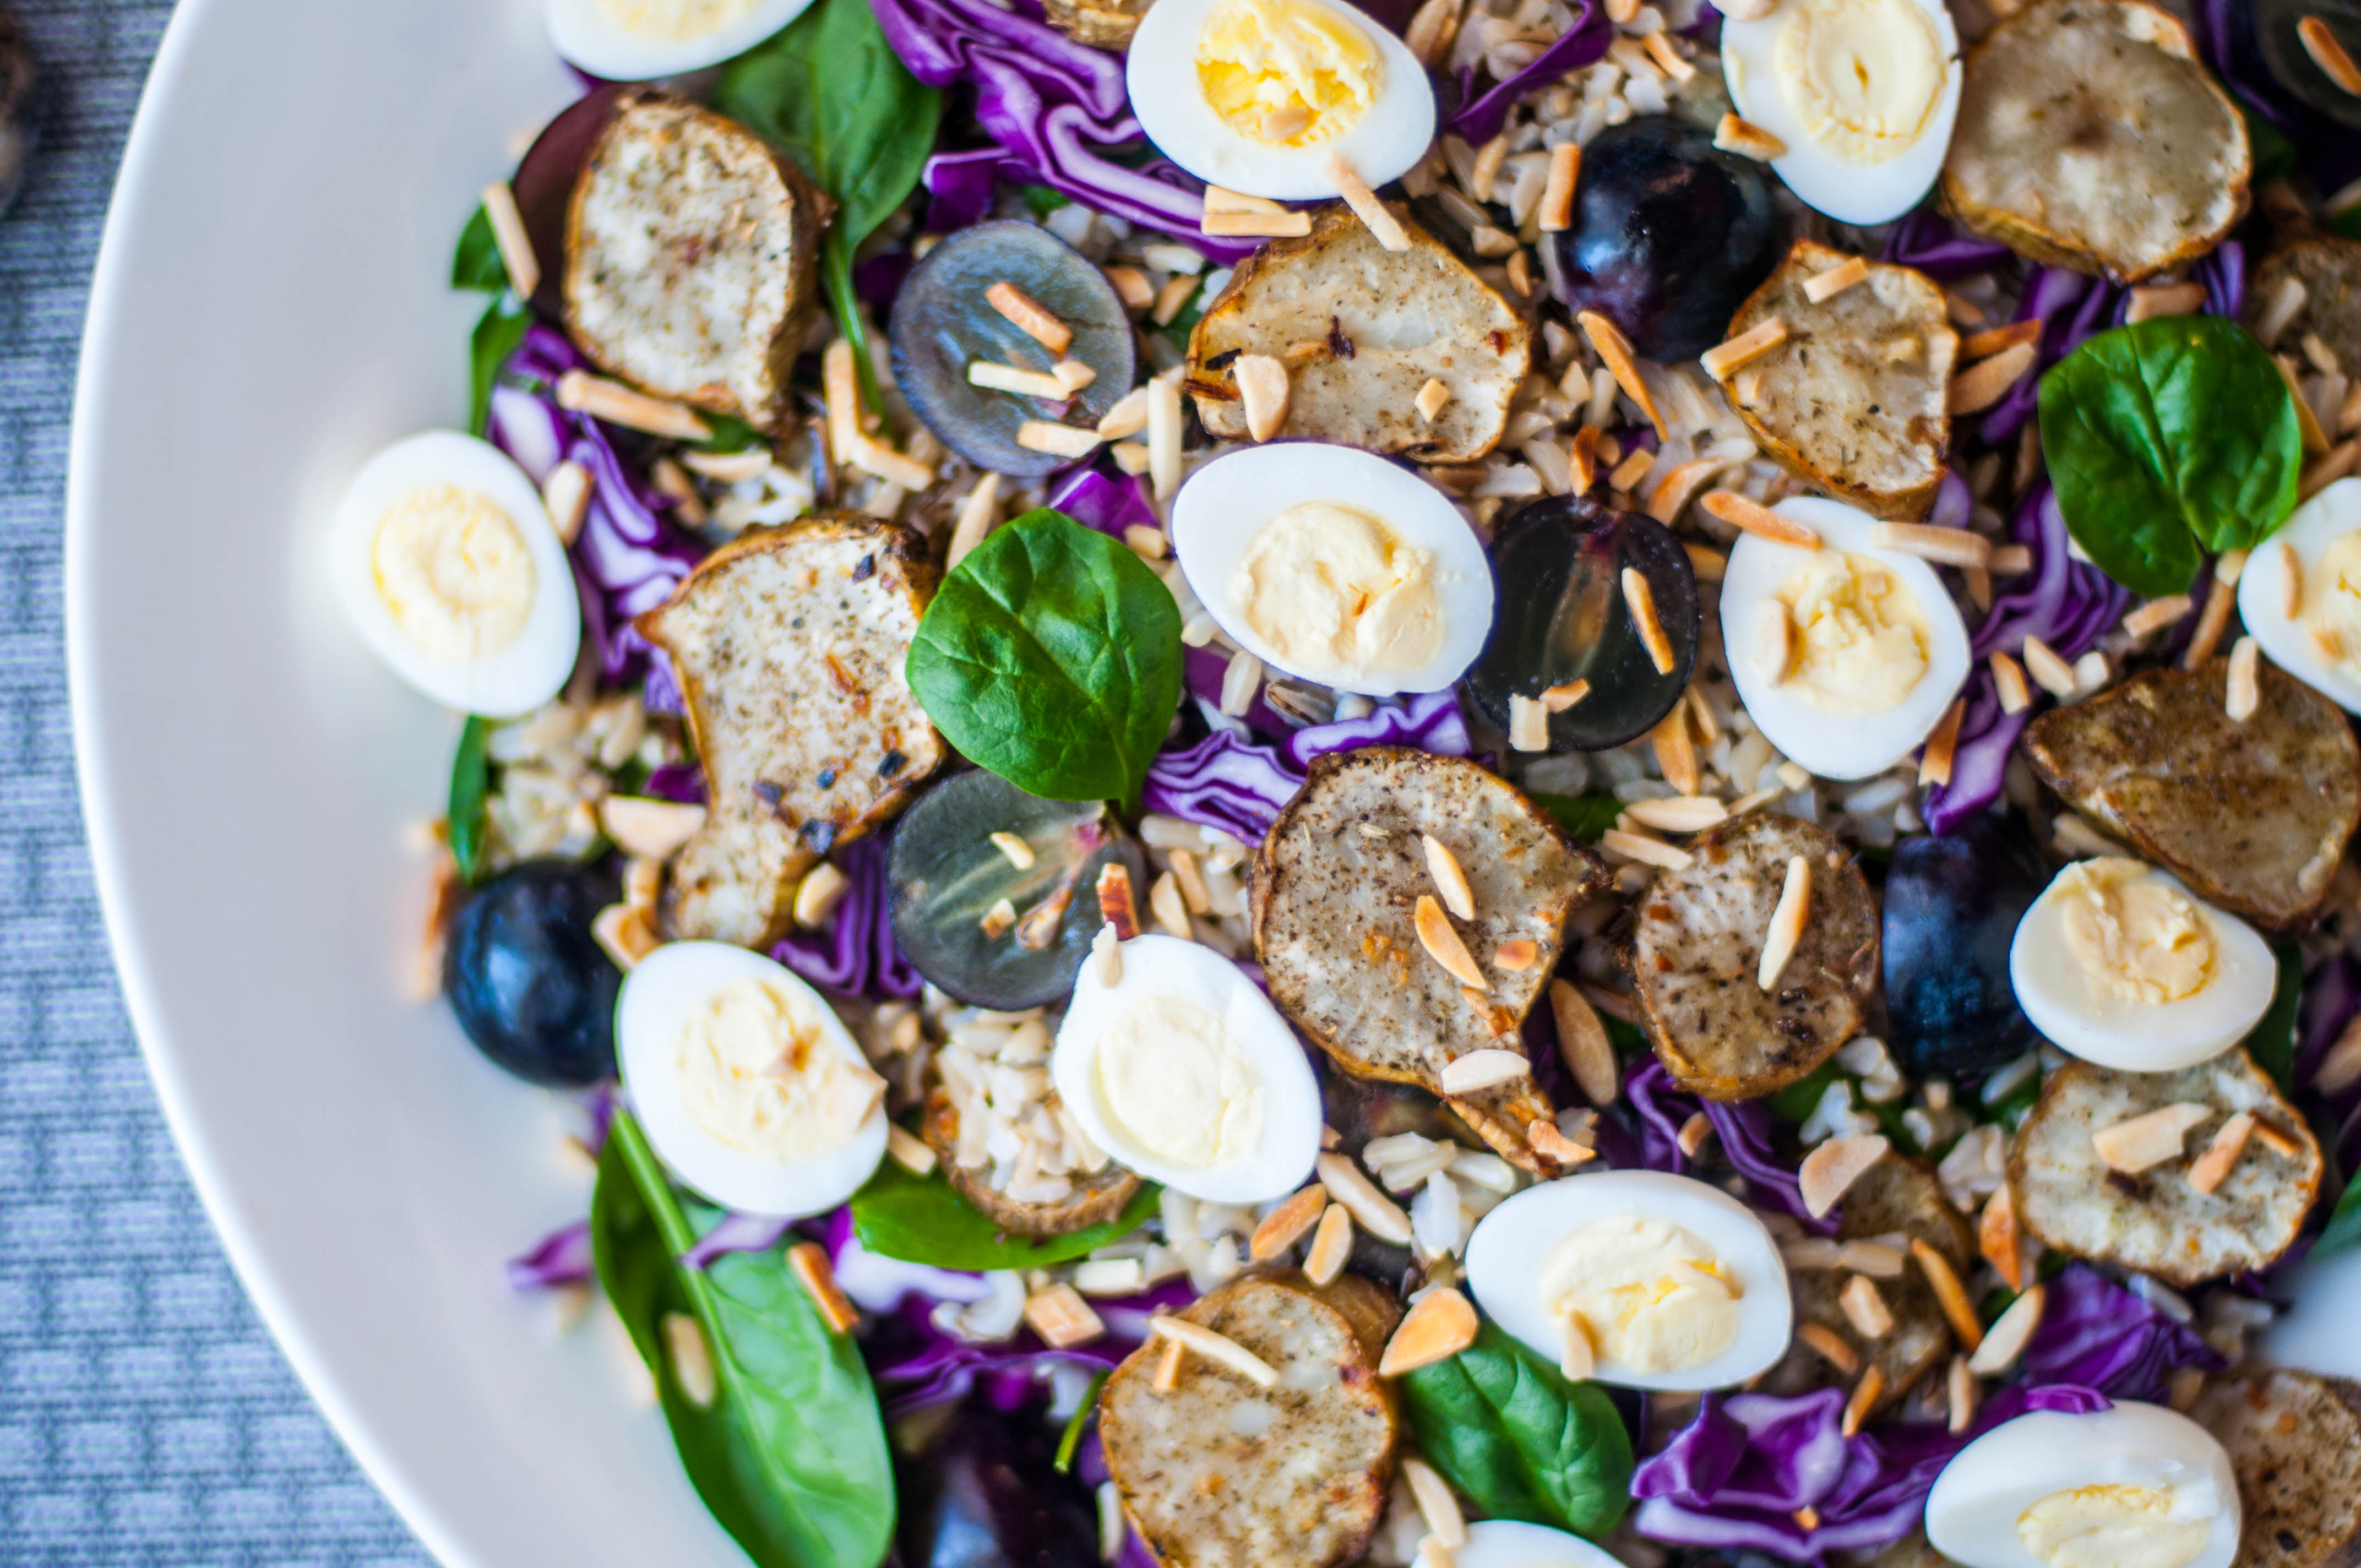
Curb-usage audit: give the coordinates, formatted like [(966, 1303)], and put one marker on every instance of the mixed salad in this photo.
[(1524, 785)]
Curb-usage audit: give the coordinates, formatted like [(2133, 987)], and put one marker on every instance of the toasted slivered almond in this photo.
[(578, 391), (1641, 599), (1430, 30), (1438, 1326), (1963, 311), (809, 1260), (1441, 940), (2139, 1142), (1660, 49), (1578, 1358), (1942, 745), (567, 494), (2005, 1340), (2244, 693), (1435, 1503), (1029, 317), (515, 243), (1019, 852), (1146, 542), (1865, 1395), (1263, 386), (641, 826), (1059, 1315), (1679, 813), (1487, 169), (1831, 1168), (1614, 1003), (2212, 621), (1710, 565), (2000, 1240), (1984, 345), (2231, 564), (2340, 1068), (1829, 1346), (2049, 672), (1752, 516), (1614, 351), (1950, 1294), (1748, 139), (1116, 904), (873, 457), (1676, 753), (1168, 1366), (1128, 417), (1944, 546), (624, 935), (1432, 1554), (1220, 1349), (1449, 880), (1176, 293), (691, 1358), (1528, 725), (2158, 614), (2149, 301), (998, 378), (1107, 955), (1480, 1071), (1673, 488), (1382, 225), (1131, 287), (1808, 1518), (1557, 211), (1073, 374), (1960, 1389), (1544, 1138), (1787, 922), (1822, 287), (1371, 1210), (1286, 1225), (2315, 439), (1332, 1245), (2011, 560), (1218, 200), (1721, 360), (1057, 440), (908, 1151), (1582, 1044), (1865, 1308), (998, 919), (1985, 382), (1164, 437), (1430, 399), (1564, 695), (1646, 850), (1627, 474), (822, 889), (1164, 902), (1873, 1258), (728, 467), (1694, 1133), (2278, 1142), (2329, 54), (1516, 956)]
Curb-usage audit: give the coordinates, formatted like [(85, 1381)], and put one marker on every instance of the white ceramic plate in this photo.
[(270, 310)]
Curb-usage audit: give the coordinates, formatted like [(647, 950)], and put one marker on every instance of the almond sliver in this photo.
[(1830, 1169)]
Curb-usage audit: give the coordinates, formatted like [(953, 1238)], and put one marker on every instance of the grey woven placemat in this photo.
[(144, 1416)]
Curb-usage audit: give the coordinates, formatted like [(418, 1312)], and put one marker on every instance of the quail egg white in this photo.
[(1182, 1070), (1845, 656), (1258, 95), (747, 1083), (639, 40), (2299, 595), (2134, 1487), (1506, 1543), (2119, 964), (444, 559), (1332, 565), (1861, 93), (1671, 1283)]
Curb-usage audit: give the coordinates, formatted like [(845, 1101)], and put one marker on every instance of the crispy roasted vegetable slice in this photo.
[(1108, 25), (2330, 271), (2294, 1439), (1099, 1196)]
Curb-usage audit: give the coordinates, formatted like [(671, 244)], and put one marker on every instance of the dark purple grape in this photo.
[(531, 987), (544, 182), (1560, 615), (986, 1494), (1670, 234), (942, 324), (1951, 909)]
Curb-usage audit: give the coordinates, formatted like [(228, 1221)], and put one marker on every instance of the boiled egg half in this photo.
[(1180, 1067), (2300, 595), (1861, 93), (2134, 1487), (1846, 656), (1668, 1283), (1507, 1543), (639, 40), (1331, 563), (748, 1084), (445, 560), (2119, 964), (1256, 96)]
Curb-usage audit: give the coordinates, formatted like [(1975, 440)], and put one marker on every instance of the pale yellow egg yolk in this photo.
[(1859, 635), (2138, 936), (1864, 76), (1286, 72), (2114, 1526), (1331, 590), (759, 1075), (1651, 1296), (453, 571), (673, 21), (1174, 1078)]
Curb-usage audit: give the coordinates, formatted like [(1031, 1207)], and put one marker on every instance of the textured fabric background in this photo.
[(144, 1416)]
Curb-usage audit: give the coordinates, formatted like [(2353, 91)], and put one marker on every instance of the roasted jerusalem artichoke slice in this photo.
[(1362, 330), (1854, 400), (789, 644), (2155, 1221), (1337, 898), (1219, 1471), (2294, 1441), (1102, 24), (689, 256), (2330, 271), (2089, 136), (2254, 816)]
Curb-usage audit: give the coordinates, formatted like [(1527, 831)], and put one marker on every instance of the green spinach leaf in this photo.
[(471, 781), (2272, 1042), (2344, 1223), (830, 93), (497, 336), (919, 1218), (2166, 437), (1586, 817), (790, 1456), (478, 265), (1052, 656), (1519, 1439)]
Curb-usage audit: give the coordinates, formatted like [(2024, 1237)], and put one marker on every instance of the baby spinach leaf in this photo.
[(1586, 817), (471, 781), (919, 1218), (2344, 1223), (497, 334), (2166, 437), (2272, 1041), (790, 1456), (1519, 1439), (478, 265), (1052, 656)]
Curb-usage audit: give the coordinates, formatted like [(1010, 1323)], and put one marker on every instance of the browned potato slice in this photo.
[(2089, 136), (2253, 816), (1894, 1201), (2294, 1439), (1097, 1198), (1221, 1472), (1336, 893), (1102, 25), (2330, 271), (1370, 328), (689, 255), (1854, 400), (1697, 948), (789, 644), (2155, 1222)]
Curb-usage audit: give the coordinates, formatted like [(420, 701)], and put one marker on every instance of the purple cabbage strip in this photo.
[(2223, 273), (1108, 503), (2095, 1334), (1239, 787), (736, 1232), (683, 782), (2073, 309), (1479, 119), (960, 186), (1925, 239), (1431, 721), (1743, 1129), (2330, 999), (1202, 673), (855, 955), (563, 1257)]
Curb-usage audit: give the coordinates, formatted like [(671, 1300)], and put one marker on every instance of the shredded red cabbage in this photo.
[(1743, 1130), (1108, 503), (855, 954), (736, 1232), (1233, 785), (1479, 119), (683, 782), (1925, 239), (562, 1258), (2098, 1334), (1431, 721)]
